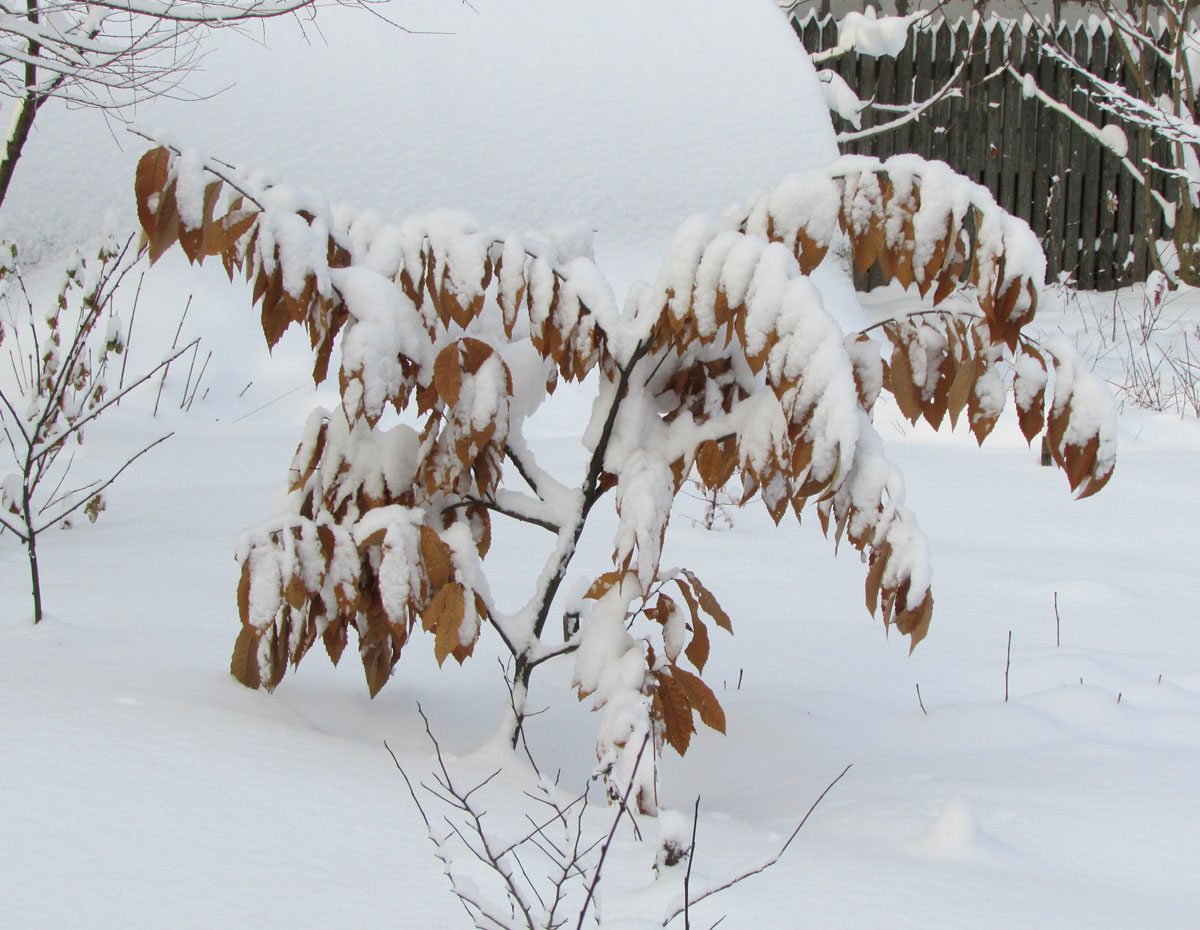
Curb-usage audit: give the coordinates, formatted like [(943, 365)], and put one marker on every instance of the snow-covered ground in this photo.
[(141, 786)]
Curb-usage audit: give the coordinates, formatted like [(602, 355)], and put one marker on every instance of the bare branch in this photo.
[(404, 775), (93, 414), (58, 518), (770, 862), (538, 829), (503, 511), (486, 854), (622, 806)]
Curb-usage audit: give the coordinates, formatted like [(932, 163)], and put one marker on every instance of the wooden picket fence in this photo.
[(1080, 201)]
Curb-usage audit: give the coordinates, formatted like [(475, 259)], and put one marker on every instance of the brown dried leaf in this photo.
[(445, 614), (1081, 460), (603, 584), (279, 638), (947, 282), (672, 707), (935, 406), (879, 558), (981, 423), (243, 593), (701, 698), (913, 622), (335, 637), (961, 387), (373, 540), (1032, 416), (867, 247), (327, 541), (166, 224), (275, 316), (305, 471), (809, 253), (435, 556), (296, 593), (244, 666), (447, 374), (377, 664), (709, 603), (151, 177), (698, 648), (898, 376), (1094, 483), (710, 464), (690, 598)]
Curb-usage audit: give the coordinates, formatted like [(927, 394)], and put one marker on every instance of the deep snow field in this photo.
[(142, 787)]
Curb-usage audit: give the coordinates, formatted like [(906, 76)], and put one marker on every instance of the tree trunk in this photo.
[(27, 109), (31, 549), (22, 124)]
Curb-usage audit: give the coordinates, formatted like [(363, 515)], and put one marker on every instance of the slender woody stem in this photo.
[(569, 538)]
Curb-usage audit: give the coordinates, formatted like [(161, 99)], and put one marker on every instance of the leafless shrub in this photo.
[(60, 357), (548, 875)]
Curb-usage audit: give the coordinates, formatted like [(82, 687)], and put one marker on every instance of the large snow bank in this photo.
[(625, 116)]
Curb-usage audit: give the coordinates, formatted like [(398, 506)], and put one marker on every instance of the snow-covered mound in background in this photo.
[(625, 116)]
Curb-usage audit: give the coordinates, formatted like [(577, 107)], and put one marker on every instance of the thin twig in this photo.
[(766, 865), (266, 405), (174, 342), (188, 383), (199, 378), (66, 513), (404, 774), (518, 716), (1007, 664), (129, 332), (687, 876), (624, 802)]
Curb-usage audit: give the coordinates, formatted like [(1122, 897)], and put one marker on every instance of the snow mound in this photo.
[(954, 834), (625, 116)]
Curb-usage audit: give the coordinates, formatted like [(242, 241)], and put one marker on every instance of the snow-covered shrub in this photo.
[(727, 365), (61, 357)]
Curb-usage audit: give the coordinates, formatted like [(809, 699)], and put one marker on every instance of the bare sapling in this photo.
[(727, 366), (61, 360)]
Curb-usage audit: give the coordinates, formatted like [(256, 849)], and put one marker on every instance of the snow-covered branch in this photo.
[(868, 34)]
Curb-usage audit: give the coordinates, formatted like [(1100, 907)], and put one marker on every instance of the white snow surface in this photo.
[(141, 786), (624, 116)]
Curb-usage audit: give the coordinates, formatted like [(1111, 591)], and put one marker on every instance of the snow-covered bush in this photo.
[(727, 365), (61, 355)]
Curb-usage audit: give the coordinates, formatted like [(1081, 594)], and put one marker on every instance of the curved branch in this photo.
[(503, 511)]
